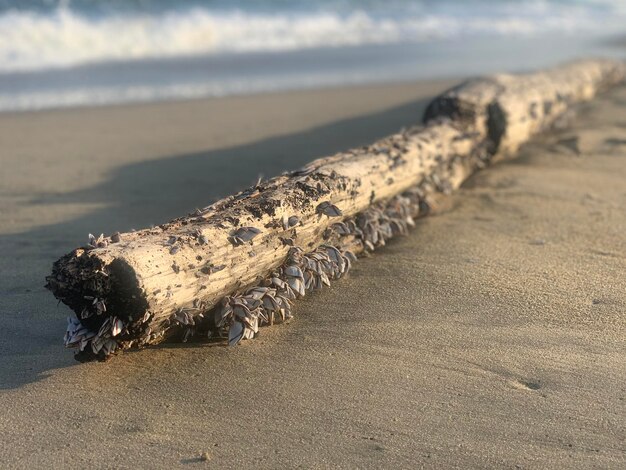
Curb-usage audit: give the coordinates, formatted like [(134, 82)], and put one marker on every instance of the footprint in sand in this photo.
[(527, 384)]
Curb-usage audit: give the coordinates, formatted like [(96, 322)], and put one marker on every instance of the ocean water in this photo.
[(90, 52)]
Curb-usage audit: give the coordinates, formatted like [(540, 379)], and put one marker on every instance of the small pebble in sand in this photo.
[(205, 456), (538, 241)]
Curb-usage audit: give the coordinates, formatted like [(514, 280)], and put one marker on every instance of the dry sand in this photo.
[(493, 336)]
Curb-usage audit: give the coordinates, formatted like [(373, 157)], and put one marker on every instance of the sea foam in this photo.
[(63, 37)]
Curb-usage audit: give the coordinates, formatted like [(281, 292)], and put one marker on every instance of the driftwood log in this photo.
[(238, 264)]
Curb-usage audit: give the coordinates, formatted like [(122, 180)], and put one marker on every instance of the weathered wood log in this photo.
[(238, 264), (509, 109)]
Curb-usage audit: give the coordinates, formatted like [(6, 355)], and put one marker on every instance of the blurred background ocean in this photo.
[(89, 52)]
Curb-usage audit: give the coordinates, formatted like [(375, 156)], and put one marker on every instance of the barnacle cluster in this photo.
[(239, 316)]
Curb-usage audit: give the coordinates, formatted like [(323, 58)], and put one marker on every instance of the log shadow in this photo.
[(136, 196)]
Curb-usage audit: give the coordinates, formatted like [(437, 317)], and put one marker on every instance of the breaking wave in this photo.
[(64, 36)]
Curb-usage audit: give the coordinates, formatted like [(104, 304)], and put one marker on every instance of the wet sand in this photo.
[(493, 336)]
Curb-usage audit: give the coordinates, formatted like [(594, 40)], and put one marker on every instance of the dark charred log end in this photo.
[(125, 298), (79, 277), (496, 126)]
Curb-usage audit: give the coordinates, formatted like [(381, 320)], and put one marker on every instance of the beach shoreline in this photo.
[(491, 336), (196, 77)]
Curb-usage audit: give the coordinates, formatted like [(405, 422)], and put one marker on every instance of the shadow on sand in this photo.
[(136, 196)]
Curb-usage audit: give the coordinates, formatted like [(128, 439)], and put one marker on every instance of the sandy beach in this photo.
[(492, 336)]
